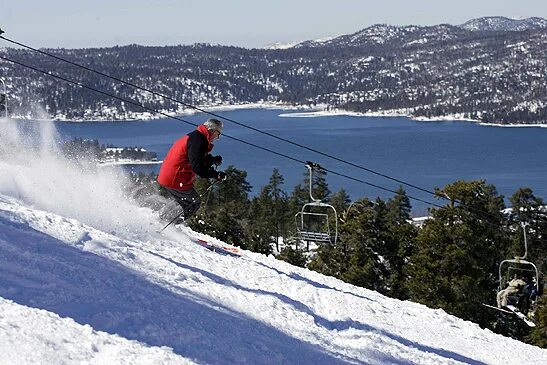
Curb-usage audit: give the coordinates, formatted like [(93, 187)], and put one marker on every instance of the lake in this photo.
[(426, 154)]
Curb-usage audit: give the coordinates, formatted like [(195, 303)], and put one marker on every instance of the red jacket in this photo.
[(187, 157)]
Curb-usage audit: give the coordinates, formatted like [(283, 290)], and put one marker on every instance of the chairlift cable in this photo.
[(48, 73), (225, 118), (485, 214), (144, 107), (79, 84)]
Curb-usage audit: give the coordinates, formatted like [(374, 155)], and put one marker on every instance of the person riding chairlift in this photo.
[(513, 287)]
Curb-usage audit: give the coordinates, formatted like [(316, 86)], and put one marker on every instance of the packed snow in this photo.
[(86, 278)]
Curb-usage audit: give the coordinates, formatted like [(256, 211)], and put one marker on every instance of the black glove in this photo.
[(221, 176), (217, 160)]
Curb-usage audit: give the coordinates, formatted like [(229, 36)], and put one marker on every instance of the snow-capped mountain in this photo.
[(85, 278), (280, 45), (382, 33), (504, 24), (435, 71), (374, 35)]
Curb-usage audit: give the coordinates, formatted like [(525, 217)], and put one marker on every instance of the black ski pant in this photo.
[(186, 202)]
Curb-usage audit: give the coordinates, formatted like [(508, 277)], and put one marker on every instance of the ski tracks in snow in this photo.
[(210, 308), (145, 291)]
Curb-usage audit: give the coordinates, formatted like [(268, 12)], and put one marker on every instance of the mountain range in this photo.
[(488, 69)]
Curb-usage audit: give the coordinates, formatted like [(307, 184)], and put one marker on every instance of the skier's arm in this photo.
[(197, 152)]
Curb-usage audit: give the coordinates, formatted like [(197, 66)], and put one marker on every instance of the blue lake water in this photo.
[(426, 154)]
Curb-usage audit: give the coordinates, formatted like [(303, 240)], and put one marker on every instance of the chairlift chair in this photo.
[(521, 267), (313, 220)]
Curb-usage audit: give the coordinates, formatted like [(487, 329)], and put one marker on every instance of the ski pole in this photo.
[(168, 224), (209, 193)]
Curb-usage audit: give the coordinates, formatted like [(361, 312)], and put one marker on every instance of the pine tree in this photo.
[(235, 189), (334, 260), (340, 201), (299, 196), (2, 104), (538, 335), (279, 214), (269, 216), (293, 256), (399, 207), (457, 252), (224, 206), (399, 242), (328, 260), (320, 187), (362, 238), (527, 208), (260, 225)]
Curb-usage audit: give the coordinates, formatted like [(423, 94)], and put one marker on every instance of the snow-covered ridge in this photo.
[(72, 246), (499, 23), (381, 33), (280, 45)]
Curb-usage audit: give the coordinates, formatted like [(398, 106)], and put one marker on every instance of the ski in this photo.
[(521, 315), (498, 309), (512, 310), (219, 248)]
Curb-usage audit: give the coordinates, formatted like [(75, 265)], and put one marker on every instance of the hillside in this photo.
[(488, 69), (84, 277)]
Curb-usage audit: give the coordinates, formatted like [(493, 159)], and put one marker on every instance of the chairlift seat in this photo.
[(309, 233), (315, 236)]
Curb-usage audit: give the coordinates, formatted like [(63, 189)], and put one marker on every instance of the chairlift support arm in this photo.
[(312, 166)]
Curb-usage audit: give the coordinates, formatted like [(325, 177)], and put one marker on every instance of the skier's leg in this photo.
[(173, 208), (500, 298), (190, 202)]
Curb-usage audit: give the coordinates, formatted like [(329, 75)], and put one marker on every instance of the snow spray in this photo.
[(34, 170)]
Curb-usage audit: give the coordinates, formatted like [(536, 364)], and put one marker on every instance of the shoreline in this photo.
[(148, 116), (514, 125), (319, 110), (401, 114)]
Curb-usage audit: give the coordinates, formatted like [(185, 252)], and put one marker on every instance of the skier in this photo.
[(190, 156)]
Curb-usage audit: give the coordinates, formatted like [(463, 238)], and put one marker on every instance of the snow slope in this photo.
[(36, 336), (85, 278)]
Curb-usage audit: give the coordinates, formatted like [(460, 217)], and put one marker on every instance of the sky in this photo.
[(246, 23), (86, 279)]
